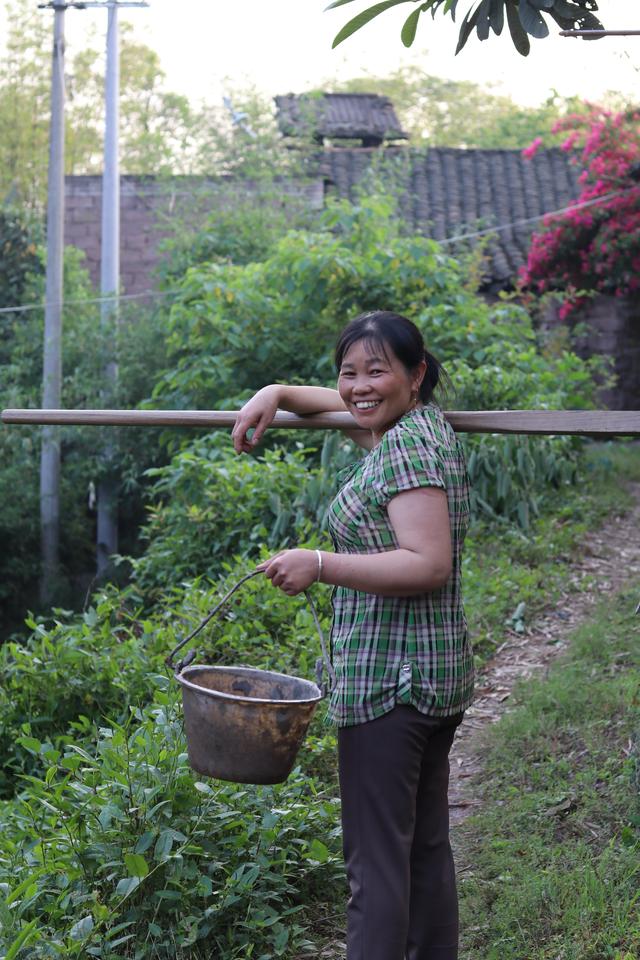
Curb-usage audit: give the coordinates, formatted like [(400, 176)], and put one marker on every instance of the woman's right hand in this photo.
[(255, 415)]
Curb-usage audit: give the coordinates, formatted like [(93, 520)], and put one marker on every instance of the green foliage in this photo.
[(85, 344), (18, 259), (236, 328), (91, 665), (248, 219), (208, 504), (138, 858), (157, 126), (524, 18)]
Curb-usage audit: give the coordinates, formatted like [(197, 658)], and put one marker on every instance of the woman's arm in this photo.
[(422, 561), (259, 411)]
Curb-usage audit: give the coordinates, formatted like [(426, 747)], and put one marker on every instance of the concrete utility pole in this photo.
[(52, 365), (107, 521), (107, 532)]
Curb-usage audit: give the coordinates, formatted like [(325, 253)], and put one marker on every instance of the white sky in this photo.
[(284, 46)]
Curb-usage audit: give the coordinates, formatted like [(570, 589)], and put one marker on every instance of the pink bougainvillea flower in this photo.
[(532, 149)]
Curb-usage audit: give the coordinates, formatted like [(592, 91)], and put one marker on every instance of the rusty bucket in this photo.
[(243, 724)]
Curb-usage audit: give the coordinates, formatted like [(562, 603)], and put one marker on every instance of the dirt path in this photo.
[(609, 556)]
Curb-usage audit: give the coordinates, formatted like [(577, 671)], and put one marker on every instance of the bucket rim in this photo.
[(239, 698)]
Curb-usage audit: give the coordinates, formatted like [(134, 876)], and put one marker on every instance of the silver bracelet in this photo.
[(319, 555)]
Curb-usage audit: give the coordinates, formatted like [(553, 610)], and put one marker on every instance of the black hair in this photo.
[(383, 328)]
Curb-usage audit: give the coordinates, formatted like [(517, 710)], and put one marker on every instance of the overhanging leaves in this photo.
[(526, 18), (363, 18)]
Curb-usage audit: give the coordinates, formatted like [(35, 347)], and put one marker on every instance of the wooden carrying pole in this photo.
[(594, 423)]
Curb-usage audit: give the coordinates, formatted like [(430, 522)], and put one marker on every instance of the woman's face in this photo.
[(376, 387)]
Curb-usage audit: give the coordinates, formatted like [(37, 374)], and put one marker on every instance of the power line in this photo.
[(499, 228), (144, 295), (528, 220)]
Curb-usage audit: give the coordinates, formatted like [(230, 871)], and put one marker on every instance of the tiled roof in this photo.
[(445, 192), (336, 116)]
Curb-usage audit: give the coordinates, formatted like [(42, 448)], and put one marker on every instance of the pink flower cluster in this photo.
[(594, 247)]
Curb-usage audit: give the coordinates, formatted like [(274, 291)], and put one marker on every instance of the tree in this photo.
[(157, 126), (459, 113), (525, 18), (596, 246), (25, 78)]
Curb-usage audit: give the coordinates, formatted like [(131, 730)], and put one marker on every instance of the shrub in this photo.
[(594, 247), (137, 858)]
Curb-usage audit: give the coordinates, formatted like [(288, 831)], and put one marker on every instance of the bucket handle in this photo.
[(324, 659)]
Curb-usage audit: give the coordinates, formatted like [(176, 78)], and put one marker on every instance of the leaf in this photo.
[(17, 892), (318, 851), (518, 35), (484, 20), (144, 841), (82, 929), (127, 885), (468, 24), (337, 3), (408, 32), (363, 18), (25, 936), (136, 864), (497, 16), (532, 20)]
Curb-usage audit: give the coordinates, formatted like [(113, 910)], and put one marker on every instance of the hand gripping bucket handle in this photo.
[(324, 660)]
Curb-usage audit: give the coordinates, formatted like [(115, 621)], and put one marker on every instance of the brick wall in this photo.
[(148, 209)]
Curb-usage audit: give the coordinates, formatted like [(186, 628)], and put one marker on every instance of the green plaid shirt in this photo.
[(415, 649)]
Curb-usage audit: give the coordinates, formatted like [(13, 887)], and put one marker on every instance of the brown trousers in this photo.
[(394, 778)]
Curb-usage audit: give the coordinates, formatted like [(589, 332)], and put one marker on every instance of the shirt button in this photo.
[(406, 667)]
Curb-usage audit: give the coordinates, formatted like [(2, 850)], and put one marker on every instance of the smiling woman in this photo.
[(402, 660)]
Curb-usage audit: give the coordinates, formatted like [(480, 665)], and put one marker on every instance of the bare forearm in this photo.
[(394, 573), (307, 399)]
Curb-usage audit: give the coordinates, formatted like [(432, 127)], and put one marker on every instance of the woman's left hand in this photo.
[(291, 570)]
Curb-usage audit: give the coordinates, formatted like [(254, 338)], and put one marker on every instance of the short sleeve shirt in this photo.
[(400, 650)]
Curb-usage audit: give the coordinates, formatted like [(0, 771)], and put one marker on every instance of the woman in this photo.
[(404, 668)]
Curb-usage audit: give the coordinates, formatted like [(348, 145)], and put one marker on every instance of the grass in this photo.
[(509, 576), (552, 863)]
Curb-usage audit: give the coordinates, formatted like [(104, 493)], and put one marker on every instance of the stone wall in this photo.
[(608, 327), (149, 209)]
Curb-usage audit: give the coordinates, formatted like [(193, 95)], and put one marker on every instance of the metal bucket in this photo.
[(243, 724)]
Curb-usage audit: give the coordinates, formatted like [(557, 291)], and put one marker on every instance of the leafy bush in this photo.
[(86, 343), (235, 328), (101, 662), (209, 503), (139, 859)]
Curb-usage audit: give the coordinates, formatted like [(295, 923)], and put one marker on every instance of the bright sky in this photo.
[(284, 46)]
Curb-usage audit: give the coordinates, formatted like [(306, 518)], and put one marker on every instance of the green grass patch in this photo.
[(552, 863)]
